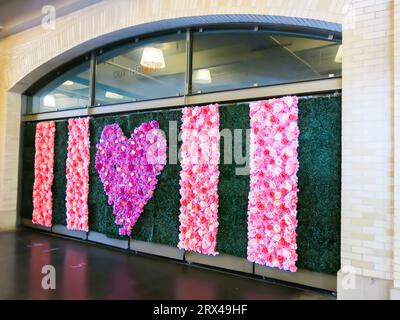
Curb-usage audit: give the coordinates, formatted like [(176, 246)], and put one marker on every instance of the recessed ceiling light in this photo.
[(113, 95), (68, 83), (202, 76)]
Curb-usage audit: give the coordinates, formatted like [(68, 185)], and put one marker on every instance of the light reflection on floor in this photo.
[(87, 271)]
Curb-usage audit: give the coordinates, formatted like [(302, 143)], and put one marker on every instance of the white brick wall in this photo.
[(371, 99), (396, 106), (367, 186)]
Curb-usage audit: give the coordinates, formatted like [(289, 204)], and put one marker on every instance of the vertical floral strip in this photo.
[(78, 174), (44, 164), (273, 183), (199, 179)]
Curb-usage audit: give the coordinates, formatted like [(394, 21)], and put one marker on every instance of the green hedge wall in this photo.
[(28, 174), (319, 183), (233, 189), (60, 179)]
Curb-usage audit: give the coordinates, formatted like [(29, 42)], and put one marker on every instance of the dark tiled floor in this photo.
[(88, 271)]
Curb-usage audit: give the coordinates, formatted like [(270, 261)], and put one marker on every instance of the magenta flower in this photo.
[(128, 169)]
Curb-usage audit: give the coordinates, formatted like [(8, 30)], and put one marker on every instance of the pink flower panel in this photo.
[(199, 179), (273, 183), (44, 164), (78, 174)]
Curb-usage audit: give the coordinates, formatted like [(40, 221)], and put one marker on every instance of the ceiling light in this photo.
[(68, 83), (152, 58), (339, 55), (202, 76), (113, 95), (49, 101)]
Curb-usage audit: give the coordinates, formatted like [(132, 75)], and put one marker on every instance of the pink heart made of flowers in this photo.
[(128, 169)]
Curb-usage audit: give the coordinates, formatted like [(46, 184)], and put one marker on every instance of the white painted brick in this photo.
[(374, 244), (362, 250), (374, 274), (374, 259)]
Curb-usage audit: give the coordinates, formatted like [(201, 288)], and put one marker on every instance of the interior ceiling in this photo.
[(19, 15)]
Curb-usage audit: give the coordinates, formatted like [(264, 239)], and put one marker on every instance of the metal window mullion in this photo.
[(92, 80), (189, 59)]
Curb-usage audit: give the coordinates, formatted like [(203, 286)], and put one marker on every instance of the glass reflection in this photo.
[(232, 59), (148, 69), (68, 91)]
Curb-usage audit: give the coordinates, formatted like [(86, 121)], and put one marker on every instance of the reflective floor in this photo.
[(89, 271)]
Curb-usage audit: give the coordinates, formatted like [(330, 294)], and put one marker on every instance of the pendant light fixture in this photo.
[(152, 59)]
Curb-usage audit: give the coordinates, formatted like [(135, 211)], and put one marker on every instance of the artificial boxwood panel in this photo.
[(319, 186), (101, 217), (319, 183), (60, 179), (28, 169), (233, 190), (159, 221)]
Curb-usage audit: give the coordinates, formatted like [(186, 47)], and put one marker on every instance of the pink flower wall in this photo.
[(44, 164), (129, 167), (77, 173), (199, 179), (273, 183)]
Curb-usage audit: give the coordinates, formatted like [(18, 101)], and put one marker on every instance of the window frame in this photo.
[(188, 97)]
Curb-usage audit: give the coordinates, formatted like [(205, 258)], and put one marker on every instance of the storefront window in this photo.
[(70, 90), (157, 67), (143, 70), (232, 59)]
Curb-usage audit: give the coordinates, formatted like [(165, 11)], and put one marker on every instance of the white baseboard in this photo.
[(103, 239), (301, 276), (60, 229), (30, 224), (156, 249), (221, 261)]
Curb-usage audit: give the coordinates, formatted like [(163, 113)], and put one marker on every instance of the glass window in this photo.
[(231, 59), (70, 90), (148, 69)]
